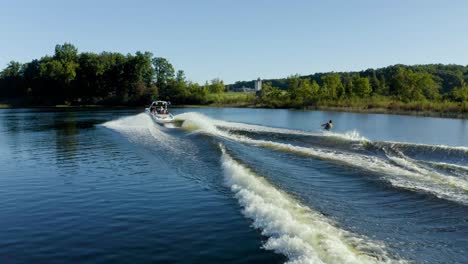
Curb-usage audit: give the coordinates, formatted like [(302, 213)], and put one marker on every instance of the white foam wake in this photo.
[(459, 170), (415, 178), (141, 128), (349, 136), (200, 121), (257, 128), (430, 147), (353, 135), (412, 165), (301, 234), (443, 186)]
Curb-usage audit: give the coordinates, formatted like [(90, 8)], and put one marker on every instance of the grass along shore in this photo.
[(385, 105), (381, 105)]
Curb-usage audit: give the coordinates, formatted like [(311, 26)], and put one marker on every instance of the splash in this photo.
[(350, 136), (197, 122), (298, 232)]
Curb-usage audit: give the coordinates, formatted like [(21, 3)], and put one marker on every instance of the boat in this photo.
[(159, 113)]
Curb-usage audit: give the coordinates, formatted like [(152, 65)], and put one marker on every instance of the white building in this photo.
[(258, 85)]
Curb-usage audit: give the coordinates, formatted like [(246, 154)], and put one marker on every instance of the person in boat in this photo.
[(152, 109), (327, 126)]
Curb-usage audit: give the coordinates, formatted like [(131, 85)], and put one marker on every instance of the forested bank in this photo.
[(404, 89), (71, 78), (435, 88), (399, 85), (107, 78)]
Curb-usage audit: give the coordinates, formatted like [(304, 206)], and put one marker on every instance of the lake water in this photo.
[(231, 185)]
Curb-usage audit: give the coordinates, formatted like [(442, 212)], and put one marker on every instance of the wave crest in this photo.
[(301, 234)]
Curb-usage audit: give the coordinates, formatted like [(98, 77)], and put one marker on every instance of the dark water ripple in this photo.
[(74, 191), (415, 226), (73, 194)]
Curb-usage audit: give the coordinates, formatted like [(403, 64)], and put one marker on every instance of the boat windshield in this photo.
[(159, 107)]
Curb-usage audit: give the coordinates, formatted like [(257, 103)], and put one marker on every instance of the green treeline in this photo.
[(421, 87), (107, 78)]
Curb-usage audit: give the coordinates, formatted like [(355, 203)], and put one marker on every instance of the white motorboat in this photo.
[(159, 112)]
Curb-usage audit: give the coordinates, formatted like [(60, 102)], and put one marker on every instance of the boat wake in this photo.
[(141, 128), (294, 230), (384, 159)]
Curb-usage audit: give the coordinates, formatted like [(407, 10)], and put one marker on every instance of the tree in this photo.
[(12, 70), (58, 75), (138, 77), (348, 84), (273, 97), (113, 78), (375, 83), (301, 91), (362, 87), (413, 86), (383, 87), (164, 71), (332, 87), (460, 94), (403, 85), (196, 93), (178, 91), (145, 70), (315, 90), (180, 76), (216, 86), (293, 82), (307, 91), (33, 85), (425, 83), (66, 52), (89, 75), (11, 80)]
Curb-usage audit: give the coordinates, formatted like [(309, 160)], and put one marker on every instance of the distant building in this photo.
[(258, 85)]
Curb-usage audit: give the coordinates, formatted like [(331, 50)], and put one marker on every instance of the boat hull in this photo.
[(160, 118)]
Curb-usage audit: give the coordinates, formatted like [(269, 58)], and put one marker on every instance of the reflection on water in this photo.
[(66, 140)]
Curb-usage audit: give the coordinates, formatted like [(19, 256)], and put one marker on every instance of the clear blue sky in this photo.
[(243, 39)]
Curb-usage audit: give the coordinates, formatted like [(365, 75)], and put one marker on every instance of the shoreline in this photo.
[(453, 115)]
